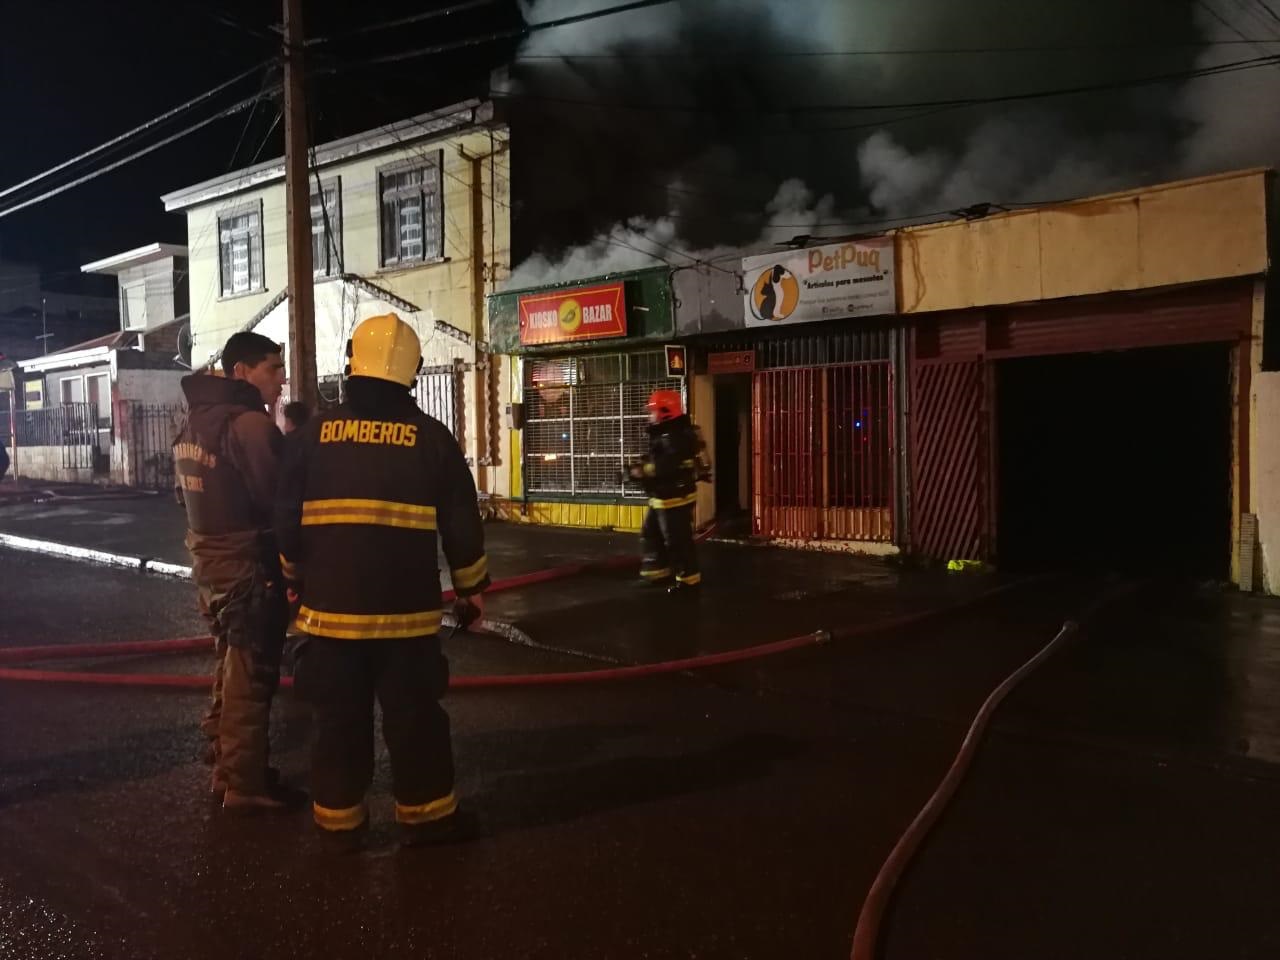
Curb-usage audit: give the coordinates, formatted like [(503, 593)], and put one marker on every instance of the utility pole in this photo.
[(302, 315), (44, 324)]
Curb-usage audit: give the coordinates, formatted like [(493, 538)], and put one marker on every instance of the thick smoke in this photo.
[(620, 176), (642, 242)]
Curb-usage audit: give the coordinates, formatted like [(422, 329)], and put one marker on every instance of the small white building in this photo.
[(103, 410)]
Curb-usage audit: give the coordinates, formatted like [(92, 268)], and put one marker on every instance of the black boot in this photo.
[(459, 827)]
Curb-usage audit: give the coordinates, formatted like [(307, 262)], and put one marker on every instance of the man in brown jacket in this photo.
[(226, 461)]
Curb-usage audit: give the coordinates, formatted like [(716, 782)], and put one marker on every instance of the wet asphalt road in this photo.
[(1124, 806)]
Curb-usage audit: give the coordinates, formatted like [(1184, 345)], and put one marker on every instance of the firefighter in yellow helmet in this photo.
[(365, 491)]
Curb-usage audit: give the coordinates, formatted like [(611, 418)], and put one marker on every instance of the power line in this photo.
[(150, 124), (1271, 12), (899, 52), (942, 103), (411, 19), (513, 33), (187, 131)]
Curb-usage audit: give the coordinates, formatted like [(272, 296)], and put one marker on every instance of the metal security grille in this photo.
[(439, 394), (585, 420), (149, 430), (823, 443), (948, 515)]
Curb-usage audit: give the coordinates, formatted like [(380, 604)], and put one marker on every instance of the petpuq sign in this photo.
[(850, 279)]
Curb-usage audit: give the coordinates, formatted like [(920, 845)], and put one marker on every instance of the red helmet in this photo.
[(666, 404)]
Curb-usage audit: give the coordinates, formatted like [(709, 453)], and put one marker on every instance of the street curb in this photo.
[(67, 551)]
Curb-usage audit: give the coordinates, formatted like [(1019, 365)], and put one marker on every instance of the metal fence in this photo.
[(585, 421), (823, 443), (439, 392), (73, 427), (148, 431)]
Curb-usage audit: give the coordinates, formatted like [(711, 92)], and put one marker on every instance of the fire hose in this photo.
[(875, 906), (510, 633)]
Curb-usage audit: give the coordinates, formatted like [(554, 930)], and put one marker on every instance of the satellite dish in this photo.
[(184, 345)]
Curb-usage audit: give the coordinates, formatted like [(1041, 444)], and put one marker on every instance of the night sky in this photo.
[(711, 121), (74, 73)]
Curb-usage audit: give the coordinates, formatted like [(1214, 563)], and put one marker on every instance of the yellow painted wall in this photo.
[(477, 248), (702, 409), (593, 515), (442, 290), (1194, 230)]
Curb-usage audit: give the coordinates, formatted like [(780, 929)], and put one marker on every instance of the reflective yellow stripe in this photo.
[(368, 626), (692, 579), (673, 502), (290, 570), (464, 578), (346, 819), (384, 513), (656, 574), (427, 812)]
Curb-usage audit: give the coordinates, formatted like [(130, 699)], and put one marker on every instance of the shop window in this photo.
[(585, 420)]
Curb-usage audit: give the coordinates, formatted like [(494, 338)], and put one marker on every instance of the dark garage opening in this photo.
[(1116, 461)]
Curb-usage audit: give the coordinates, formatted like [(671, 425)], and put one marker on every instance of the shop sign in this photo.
[(677, 361), (853, 279), (735, 361), (565, 316)]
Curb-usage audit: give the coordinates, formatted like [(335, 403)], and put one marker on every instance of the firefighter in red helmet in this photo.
[(669, 475)]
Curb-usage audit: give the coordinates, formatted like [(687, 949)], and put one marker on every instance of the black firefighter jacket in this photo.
[(365, 489), (670, 473)]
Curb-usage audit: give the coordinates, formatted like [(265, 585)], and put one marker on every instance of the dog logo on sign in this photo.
[(775, 294)]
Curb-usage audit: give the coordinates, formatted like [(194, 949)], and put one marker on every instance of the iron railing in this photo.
[(149, 430), (72, 427), (439, 392)]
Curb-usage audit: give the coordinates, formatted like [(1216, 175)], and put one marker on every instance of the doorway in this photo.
[(1116, 461), (733, 454)]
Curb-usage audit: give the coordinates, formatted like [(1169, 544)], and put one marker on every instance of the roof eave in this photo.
[(458, 117), (133, 258)]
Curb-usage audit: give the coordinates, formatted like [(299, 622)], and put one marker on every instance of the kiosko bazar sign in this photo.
[(853, 279), (585, 313)]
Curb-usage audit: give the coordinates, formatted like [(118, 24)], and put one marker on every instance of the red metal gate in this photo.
[(948, 495), (822, 442)]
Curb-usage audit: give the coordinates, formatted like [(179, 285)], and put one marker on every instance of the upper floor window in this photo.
[(240, 250), (133, 305), (411, 212), (326, 222)]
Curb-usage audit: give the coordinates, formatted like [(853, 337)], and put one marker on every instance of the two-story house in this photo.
[(412, 218), (83, 396)]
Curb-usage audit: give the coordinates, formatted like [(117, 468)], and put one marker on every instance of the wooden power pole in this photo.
[(302, 314)]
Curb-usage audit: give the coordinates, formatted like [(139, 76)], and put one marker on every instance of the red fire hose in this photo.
[(602, 675), (81, 651)]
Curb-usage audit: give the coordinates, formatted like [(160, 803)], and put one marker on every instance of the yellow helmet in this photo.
[(384, 347)]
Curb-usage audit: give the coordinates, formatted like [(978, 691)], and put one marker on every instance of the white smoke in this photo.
[(641, 242), (1234, 114), (1039, 151)]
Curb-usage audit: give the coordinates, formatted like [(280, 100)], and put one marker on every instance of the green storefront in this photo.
[(588, 354)]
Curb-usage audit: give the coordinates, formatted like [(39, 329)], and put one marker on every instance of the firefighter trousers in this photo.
[(667, 538), (341, 679), (248, 618)]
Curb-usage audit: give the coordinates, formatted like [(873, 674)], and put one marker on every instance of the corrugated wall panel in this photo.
[(1194, 315), (948, 495)]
